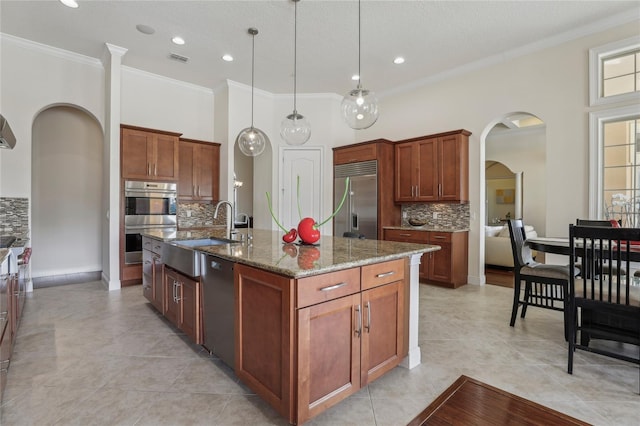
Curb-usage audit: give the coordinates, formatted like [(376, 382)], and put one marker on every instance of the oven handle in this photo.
[(146, 227)]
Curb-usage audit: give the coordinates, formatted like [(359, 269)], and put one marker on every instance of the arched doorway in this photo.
[(67, 184), (517, 141)]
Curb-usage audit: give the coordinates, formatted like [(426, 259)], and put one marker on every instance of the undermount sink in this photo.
[(181, 256)]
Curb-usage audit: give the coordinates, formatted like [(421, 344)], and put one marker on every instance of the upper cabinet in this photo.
[(148, 154), (433, 168), (199, 170)]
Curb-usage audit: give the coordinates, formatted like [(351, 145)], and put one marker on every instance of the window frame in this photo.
[(596, 56), (597, 120)]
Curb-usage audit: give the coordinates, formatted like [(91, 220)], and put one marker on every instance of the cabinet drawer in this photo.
[(147, 262), (382, 273), (355, 154), (440, 237), (406, 235), (321, 288)]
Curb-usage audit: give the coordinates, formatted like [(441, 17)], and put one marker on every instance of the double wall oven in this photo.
[(147, 206)]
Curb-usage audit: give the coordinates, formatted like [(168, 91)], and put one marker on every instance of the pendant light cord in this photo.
[(253, 54), (359, 74), (295, 50)]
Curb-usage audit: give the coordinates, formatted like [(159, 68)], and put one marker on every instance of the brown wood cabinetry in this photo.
[(199, 170), (148, 154), (152, 282), (12, 296), (304, 345), (382, 150), (446, 267), (182, 303), (433, 168)]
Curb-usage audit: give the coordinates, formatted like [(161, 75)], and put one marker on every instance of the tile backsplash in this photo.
[(14, 215), (449, 215), (198, 215)]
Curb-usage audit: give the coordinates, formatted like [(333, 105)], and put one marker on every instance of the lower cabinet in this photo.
[(12, 295), (304, 345), (152, 282), (182, 303), (446, 267)]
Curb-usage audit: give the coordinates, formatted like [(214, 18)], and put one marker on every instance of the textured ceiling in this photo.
[(433, 36)]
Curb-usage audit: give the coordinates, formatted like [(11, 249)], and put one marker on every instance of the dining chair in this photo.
[(604, 309), (545, 285), (603, 223)]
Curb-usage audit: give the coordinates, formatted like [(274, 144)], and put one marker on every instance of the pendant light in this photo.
[(360, 106), (295, 128), (252, 140)]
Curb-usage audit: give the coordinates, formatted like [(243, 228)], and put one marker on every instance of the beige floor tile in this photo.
[(177, 408)]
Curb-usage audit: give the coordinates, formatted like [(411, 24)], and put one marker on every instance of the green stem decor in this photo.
[(272, 215), (344, 197)]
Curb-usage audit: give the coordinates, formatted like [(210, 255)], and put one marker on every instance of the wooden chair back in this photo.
[(521, 253)]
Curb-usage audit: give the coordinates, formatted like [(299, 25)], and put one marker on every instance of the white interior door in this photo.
[(306, 163)]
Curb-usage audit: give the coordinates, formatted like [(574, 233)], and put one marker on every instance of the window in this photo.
[(614, 72), (615, 165)]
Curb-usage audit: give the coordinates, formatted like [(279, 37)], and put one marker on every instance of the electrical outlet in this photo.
[(435, 215), (188, 213)]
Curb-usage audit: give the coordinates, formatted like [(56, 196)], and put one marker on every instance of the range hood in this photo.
[(7, 139)]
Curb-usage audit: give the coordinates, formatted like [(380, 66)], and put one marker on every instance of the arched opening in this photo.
[(66, 191), (515, 184)]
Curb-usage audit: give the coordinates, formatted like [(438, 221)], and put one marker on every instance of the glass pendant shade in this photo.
[(295, 129), (360, 108), (252, 141)]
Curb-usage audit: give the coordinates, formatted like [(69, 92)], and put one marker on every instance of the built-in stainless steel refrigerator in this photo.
[(359, 214)]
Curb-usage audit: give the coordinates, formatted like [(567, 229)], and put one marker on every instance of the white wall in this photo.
[(67, 193), (551, 83)]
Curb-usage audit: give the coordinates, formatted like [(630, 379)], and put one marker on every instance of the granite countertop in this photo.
[(267, 251), (428, 228)]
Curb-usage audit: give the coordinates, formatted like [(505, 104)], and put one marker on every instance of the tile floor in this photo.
[(85, 356)]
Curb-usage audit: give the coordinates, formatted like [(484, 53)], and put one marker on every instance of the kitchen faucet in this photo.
[(232, 227)]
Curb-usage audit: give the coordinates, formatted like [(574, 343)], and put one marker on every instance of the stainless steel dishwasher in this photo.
[(218, 307)]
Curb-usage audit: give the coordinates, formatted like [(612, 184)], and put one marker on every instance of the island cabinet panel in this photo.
[(182, 303), (264, 336), (328, 354), (433, 168), (152, 283), (148, 154), (199, 170)]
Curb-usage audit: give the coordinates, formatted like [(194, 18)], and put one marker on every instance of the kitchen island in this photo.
[(314, 324)]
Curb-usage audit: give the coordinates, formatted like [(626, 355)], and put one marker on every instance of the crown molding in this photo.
[(164, 79), (567, 36), (52, 51)]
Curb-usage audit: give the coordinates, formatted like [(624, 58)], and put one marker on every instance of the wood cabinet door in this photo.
[(165, 159), (440, 263), (450, 168), (428, 170), (405, 172), (382, 330), (189, 298), (206, 172), (329, 336), (136, 146), (171, 290), (186, 181)]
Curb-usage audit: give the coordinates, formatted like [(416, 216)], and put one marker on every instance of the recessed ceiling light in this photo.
[(227, 58), (145, 29), (70, 3), (398, 60), (355, 77), (178, 40)]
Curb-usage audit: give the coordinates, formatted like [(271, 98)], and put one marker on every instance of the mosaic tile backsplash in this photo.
[(454, 216), (14, 216), (201, 215)]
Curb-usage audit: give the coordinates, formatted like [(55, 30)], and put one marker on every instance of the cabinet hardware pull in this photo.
[(368, 326), (439, 190), (405, 235), (385, 274), (178, 297), (146, 262), (194, 190), (359, 319), (198, 190), (147, 243), (148, 169), (333, 287), (175, 291), (411, 191), (439, 237), (155, 169)]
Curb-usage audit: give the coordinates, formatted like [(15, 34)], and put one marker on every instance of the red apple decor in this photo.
[(307, 227)]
